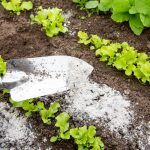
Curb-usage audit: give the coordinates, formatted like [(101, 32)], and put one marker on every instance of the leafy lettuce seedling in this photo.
[(63, 125), (47, 114), (84, 38), (27, 105), (51, 20), (31, 106), (2, 67), (108, 52), (85, 138), (17, 6)]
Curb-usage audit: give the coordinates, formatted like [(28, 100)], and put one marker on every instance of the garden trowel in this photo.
[(34, 77)]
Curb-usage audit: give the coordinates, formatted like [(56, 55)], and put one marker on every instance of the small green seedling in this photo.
[(2, 67), (16, 6), (62, 122), (84, 137), (31, 106), (51, 20), (27, 105), (47, 114)]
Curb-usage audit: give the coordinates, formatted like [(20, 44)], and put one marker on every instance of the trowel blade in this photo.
[(35, 77)]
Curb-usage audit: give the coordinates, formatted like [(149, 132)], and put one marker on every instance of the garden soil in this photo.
[(18, 38)]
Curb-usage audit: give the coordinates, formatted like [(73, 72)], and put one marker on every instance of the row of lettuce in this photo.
[(136, 12), (120, 55)]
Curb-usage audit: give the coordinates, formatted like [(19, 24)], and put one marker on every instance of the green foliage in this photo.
[(51, 20), (81, 3), (63, 125), (105, 5), (2, 67), (108, 52), (27, 105), (17, 6), (47, 114), (91, 4), (120, 55), (5, 91), (84, 137), (136, 12), (31, 106), (126, 60), (84, 38)]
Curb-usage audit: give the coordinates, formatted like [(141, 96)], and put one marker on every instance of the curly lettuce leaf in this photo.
[(2, 67), (51, 20)]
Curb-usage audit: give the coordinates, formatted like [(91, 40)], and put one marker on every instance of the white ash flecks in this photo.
[(14, 130), (89, 100), (98, 103), (67, 16), (141, 134)]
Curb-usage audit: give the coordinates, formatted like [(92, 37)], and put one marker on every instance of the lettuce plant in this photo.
[(16, 6), (51, 21), (84, 137), (136, 12), (2, 67), (63, 125), (27, 105), (47, 114), (31, 106)]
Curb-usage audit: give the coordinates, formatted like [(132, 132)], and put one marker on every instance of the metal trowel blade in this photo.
[(34, 77)]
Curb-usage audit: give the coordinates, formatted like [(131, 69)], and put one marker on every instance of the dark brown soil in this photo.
[(18, 38)]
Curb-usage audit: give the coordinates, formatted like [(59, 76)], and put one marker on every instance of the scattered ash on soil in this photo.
[(15, 130), (142, 134), (89, 101), (104, 106)]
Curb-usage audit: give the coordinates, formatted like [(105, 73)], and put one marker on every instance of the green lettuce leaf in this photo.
[(135, 24), (2, 67), (91, 4)]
